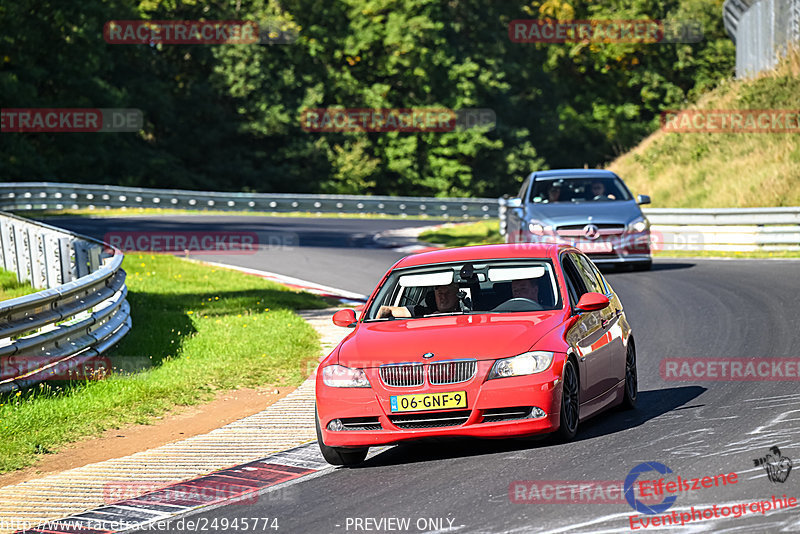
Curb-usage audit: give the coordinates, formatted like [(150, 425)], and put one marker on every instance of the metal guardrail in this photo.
[(48, 195), (723, 229), (81, 314), (690, 229), (740, 229), (762, 31)]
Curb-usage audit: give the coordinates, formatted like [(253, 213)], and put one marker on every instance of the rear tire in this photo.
[(338, 455), (570, 403), (631, 391)]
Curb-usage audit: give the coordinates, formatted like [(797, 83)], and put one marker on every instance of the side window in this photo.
[(586, 269), (575, 283), (601, 278), (523, 189)]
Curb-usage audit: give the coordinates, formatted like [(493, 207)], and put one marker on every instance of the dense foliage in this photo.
[(226, 117)]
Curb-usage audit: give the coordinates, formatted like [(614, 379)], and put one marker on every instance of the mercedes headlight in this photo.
[(524, 364), (539, 229), (339, 376), (638, 225)]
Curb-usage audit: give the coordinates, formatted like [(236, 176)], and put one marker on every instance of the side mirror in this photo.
[(592, 302), (514, 203), (642, 199), (345, 318)]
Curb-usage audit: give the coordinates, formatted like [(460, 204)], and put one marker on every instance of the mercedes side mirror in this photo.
[(642, 199)]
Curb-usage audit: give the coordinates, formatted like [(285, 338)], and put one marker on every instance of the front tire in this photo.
[(338, 455), (570, 403), (631, 378)]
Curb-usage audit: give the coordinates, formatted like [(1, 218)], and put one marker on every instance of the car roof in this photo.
[(484, 252), (574, 173)]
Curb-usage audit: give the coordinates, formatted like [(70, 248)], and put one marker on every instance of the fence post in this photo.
[(20, 251), (6, 244), (36, 251), (65, 259)]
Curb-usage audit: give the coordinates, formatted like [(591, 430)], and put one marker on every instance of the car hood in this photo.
[(611, 212), (485, 336)]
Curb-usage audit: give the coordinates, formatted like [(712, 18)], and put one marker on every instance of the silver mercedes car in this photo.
[(591, 209)]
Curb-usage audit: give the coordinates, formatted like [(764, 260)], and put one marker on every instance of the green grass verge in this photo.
[(10, 288), (488, 232), (197, 329), (462, 235), (727, 254)]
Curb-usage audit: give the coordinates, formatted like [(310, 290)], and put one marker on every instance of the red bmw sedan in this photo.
[(487, 341)]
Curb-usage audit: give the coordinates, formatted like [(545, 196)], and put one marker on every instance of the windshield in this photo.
[(546, 191), (501, 286)]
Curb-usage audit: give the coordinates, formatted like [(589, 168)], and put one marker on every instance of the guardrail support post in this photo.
[(94, 258), (36, 251), (52, 269), (21, 251), (5, 242), (64, 254), (81, 259)]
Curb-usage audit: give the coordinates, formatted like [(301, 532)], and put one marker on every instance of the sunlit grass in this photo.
[(10, 288), (196, 330), (731, 170), (462, 235)]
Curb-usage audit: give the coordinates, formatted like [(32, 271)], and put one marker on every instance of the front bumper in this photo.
[(484, 400), (628, 248)]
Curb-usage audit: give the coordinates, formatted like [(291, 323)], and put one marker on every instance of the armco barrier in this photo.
[(47, 195), (81, 314), (734, 229), (743, 229)]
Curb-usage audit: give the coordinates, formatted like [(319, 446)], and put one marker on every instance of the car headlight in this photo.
[(524, 364), (539, 229), (339, 376), (639, 224)]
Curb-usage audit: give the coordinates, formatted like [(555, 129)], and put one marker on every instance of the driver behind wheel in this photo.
[(446, 298), (525, 289)]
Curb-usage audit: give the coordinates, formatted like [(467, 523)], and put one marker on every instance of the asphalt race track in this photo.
[(682, 308)]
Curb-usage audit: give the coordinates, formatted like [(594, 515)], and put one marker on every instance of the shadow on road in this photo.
[(651, 405)]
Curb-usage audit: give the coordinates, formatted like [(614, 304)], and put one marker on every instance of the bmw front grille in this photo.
[(452, 371), (439, 373), (404, 375)]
